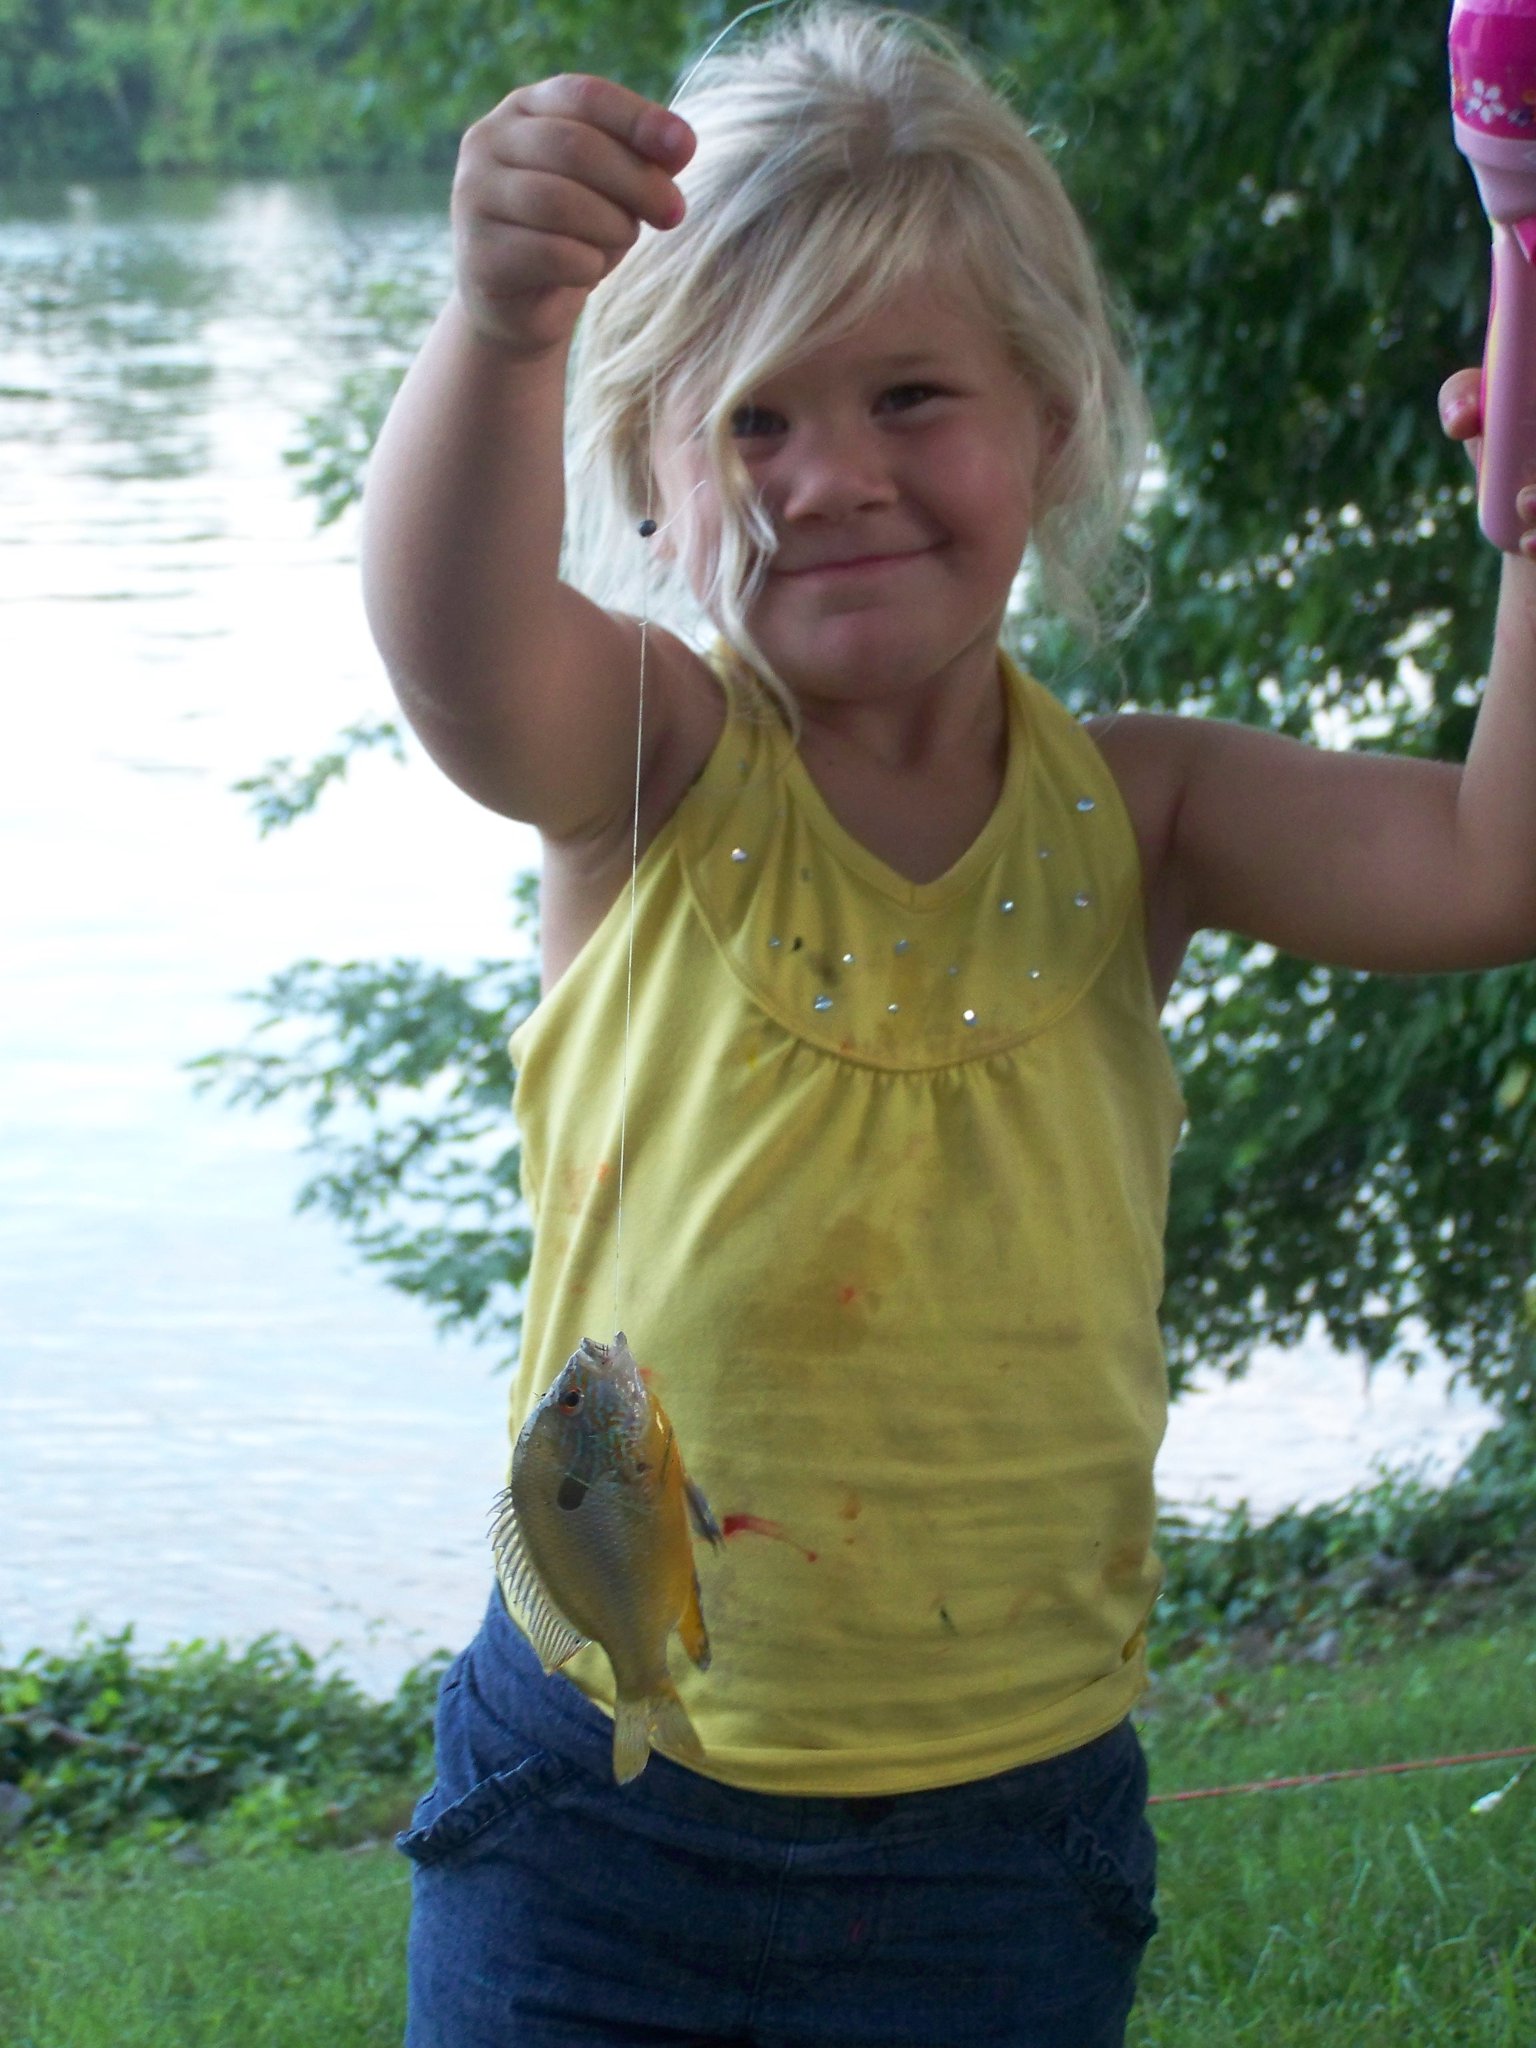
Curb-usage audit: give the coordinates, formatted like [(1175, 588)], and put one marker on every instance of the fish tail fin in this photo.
[(660, 1718), (670, 1726)]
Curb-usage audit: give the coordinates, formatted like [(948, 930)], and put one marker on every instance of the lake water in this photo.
[(213, 1421)]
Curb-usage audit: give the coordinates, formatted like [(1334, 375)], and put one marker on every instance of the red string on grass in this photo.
[(1431, 1763)]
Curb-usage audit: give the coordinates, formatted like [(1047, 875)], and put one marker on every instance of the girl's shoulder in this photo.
[(1146, 752), (1143, 751)]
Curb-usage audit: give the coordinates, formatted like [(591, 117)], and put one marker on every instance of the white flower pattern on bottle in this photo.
[(1484, 102)]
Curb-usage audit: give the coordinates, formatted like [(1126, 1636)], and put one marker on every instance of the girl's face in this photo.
[(900, 467)]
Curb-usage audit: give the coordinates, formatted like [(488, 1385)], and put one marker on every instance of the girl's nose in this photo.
[(830, 472)]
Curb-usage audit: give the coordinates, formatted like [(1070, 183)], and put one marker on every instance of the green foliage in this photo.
[(1387, 1912), (404, 1077), (92, 87), (101, 86), (97, 1739), (404, 1080), (438, 67), (1400, 1551), (334, 440), (1359, 1151), (284, 791)]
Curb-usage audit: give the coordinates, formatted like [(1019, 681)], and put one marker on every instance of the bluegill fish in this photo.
[(592, 1544)]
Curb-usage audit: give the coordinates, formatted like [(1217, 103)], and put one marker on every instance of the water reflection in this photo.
[(210, 1422)]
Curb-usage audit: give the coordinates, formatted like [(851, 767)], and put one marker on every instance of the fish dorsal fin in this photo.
[(551, 1635)]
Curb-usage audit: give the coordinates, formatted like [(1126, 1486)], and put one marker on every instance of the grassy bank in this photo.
[(280, 1950), (1381, 1911)]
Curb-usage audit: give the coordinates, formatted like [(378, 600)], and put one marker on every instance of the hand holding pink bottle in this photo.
[(1493, 107)]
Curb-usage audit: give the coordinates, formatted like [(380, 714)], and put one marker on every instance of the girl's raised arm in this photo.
[(521, 689), (1360, 860)]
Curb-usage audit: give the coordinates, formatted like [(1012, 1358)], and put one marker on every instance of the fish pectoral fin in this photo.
[(692, 1633), (552, 1636), (658, 1719), (555, 1640), (701, 1515)]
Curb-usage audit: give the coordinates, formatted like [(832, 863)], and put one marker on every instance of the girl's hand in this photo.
[(1461, 410), (550, 191), (1461, 415)]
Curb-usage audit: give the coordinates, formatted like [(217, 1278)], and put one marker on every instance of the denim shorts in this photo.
[(555, 1909)]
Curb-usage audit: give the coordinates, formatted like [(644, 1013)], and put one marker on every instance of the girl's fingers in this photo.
[(1461, 410), (553, 206), (508, 141), (650, 131), (524, 260)]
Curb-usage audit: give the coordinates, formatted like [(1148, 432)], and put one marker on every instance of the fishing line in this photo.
[(1431, 1763), (762, 7), (647, 532)]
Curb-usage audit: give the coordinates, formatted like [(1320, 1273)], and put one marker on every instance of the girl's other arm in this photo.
[(1367, 861), (520, 688)]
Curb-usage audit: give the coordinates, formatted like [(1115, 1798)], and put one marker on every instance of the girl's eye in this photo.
[(903, 397), (754, 422)]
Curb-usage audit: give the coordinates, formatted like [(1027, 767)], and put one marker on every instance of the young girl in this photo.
[(899, 1116)]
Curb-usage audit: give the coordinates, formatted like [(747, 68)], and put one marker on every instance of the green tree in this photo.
[(1302, 259), (92, 87), (439, 67), (1305, 266)]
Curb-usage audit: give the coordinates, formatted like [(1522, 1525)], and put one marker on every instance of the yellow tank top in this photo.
[(895, 1186)]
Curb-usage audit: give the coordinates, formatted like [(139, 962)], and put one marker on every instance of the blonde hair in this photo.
[(839, 154)]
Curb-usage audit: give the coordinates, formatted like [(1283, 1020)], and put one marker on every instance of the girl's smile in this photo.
[(836, 565)]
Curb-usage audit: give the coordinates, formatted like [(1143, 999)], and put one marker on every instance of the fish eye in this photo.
[(570, 1400)]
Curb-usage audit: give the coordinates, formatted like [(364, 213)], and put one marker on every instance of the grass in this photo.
[(286, 1951), (1382, 1911)]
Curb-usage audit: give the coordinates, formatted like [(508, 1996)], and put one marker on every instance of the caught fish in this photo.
[(592, 1544)]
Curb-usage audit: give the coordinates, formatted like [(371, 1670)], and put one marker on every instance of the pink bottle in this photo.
[(1493, 109)]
